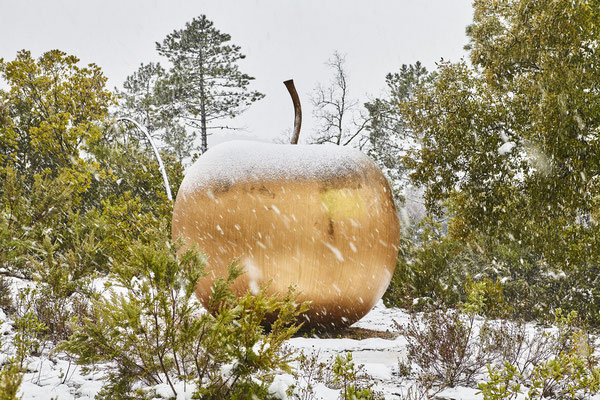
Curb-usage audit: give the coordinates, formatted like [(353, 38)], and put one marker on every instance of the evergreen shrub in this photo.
[(153, 330)]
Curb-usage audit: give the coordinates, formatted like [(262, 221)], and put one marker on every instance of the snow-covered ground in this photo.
[(52, 376), (379, 357)]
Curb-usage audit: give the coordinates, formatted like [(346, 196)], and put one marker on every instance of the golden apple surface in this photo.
[(319, 217)]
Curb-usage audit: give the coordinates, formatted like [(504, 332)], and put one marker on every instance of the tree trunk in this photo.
[(203, 134)]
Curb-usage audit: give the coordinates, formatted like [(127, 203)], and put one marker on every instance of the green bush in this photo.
[(339, 372), (440, 269), (6, 300), (26, 341), (57, 232), (433, 270), (71, 183), (11, 377), (352, 381), (485, 297), (154, 331), (569, 371)]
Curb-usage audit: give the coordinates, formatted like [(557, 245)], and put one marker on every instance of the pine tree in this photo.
[(389, 135), (145, 98), (140, 99), (205, 85)]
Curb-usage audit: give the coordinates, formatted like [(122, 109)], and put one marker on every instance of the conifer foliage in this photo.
[(155, 331), (389, 135), (205, 83), (202, 89)]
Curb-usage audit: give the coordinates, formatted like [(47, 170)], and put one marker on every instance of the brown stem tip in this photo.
[(289, 84)]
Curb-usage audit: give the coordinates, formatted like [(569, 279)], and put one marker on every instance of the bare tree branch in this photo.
[(333, 108)]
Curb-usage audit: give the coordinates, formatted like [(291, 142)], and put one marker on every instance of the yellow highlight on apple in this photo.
[(343, 204)]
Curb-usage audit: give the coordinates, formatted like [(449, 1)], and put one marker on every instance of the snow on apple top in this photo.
[(242, 161)]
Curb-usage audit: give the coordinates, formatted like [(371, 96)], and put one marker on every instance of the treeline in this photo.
[(508, 156)]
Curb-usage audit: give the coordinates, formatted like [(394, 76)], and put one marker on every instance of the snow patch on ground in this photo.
[(54, 376)]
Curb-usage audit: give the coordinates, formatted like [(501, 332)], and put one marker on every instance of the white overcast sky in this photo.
[(282, 39)]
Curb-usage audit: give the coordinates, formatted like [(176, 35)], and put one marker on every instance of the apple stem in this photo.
[(289, 84)]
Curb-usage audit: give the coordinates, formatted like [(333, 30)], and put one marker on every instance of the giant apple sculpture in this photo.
[(319, 217)]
